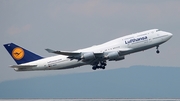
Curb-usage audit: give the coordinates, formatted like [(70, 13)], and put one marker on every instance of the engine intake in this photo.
[(88, 56), (114, 56)]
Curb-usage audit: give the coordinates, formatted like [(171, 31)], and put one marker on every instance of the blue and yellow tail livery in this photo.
[(21, 55)]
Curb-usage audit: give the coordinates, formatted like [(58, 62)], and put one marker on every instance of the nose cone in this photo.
[(166, 35), (169, 35)]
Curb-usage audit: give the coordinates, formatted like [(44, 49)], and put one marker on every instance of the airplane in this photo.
[(97, 56)]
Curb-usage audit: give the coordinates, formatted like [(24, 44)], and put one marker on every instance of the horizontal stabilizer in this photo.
[(23, 66)]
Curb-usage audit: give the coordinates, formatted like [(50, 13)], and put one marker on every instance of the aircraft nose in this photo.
[(169, 34)]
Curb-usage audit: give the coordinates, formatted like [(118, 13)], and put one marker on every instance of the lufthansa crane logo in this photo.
[(18, 53)]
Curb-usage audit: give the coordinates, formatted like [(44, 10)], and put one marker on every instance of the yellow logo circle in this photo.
[(18, 53)]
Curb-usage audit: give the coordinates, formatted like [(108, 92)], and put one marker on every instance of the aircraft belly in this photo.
[(142, 48), (66, 65)]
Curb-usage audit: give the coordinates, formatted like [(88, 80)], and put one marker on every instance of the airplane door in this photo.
[(149, 39)]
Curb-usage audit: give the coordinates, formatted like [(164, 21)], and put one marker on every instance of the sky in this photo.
[(75, 24)]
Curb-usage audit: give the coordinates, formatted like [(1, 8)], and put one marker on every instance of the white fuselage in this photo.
[(128, 44)]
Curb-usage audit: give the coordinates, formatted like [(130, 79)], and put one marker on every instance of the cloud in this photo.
[(102, 8), (17, 30), (83, 8), (90, 8)]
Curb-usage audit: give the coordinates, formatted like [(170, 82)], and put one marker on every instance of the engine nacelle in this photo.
[(88, 56), (114, 56)]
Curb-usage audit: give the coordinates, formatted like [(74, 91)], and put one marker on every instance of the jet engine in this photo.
[(88, 56), (114, 56)]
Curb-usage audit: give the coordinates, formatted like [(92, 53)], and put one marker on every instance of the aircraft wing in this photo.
[(67, 53), (81, 55), (75, 55)]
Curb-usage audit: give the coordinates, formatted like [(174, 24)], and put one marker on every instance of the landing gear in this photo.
[(101, 65), (94, 67), (157, 50)]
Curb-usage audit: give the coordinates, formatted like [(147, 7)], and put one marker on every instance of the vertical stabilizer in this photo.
[(21, 55)]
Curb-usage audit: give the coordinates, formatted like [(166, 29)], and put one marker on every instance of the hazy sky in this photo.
[(73, 24)]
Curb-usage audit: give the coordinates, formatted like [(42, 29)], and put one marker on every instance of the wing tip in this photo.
[(50, 50)]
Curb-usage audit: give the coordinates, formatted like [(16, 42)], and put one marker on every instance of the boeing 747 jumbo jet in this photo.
[(96, 56)]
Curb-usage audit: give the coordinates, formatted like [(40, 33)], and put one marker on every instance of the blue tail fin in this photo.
[(21, 55)]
